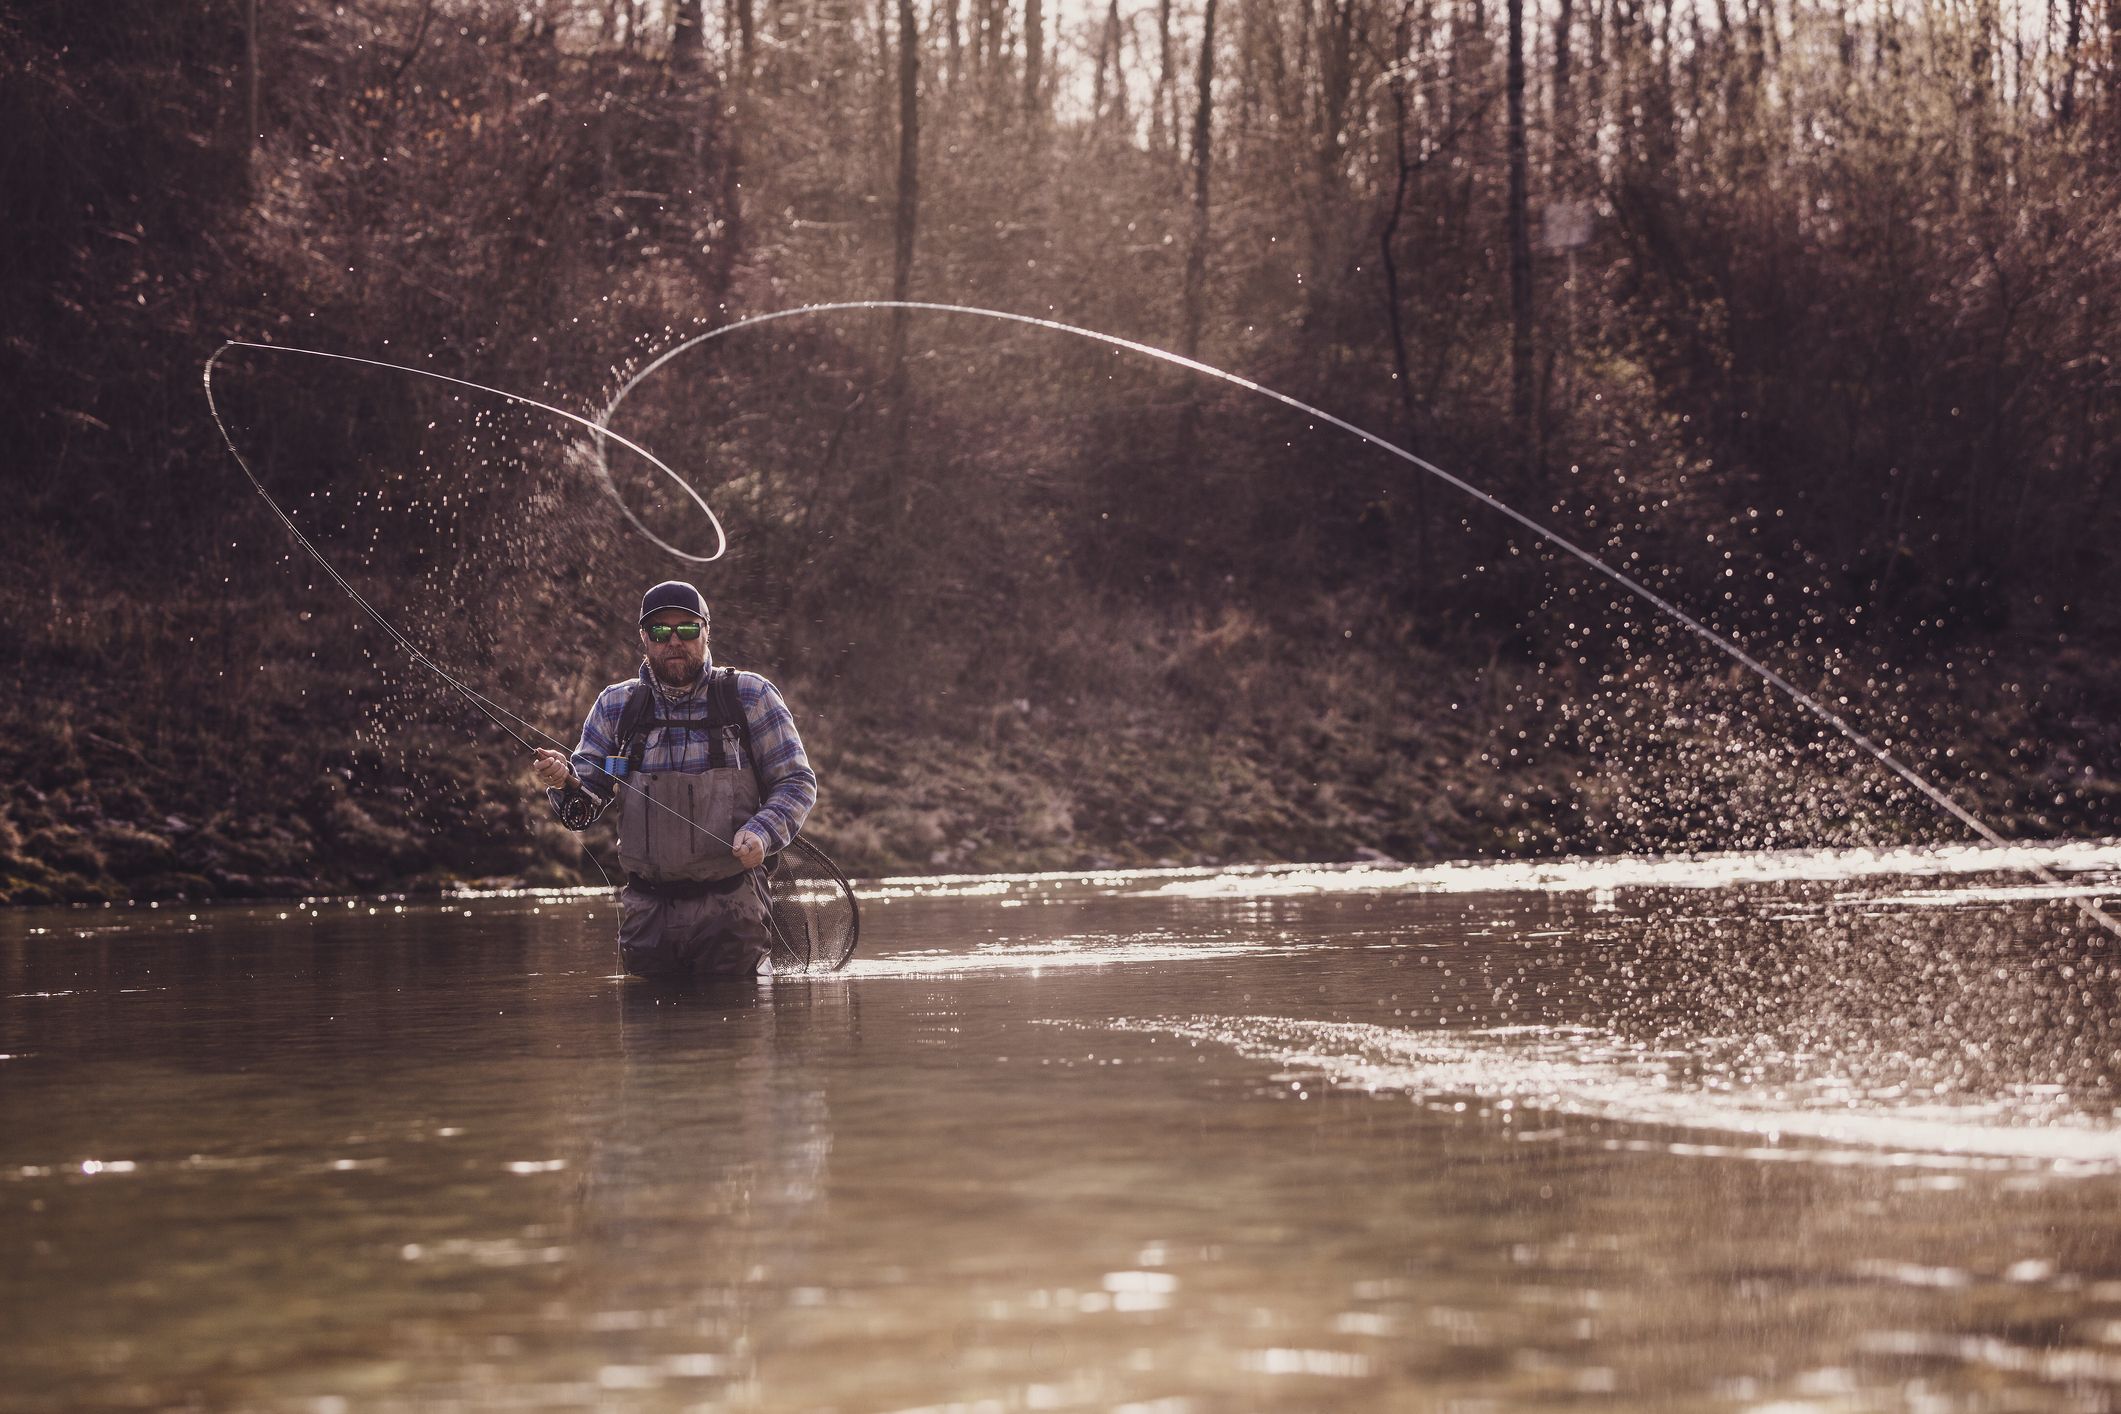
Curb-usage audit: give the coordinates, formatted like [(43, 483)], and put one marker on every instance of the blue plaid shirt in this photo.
[(787, 785)]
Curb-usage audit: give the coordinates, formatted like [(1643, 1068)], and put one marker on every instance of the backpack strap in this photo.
[(728, 706), (725, 707), (634, 722)]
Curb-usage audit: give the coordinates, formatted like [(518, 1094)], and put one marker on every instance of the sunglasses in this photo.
[(661, 633)]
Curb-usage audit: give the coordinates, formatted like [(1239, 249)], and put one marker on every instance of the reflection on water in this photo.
[(1759, 1132)]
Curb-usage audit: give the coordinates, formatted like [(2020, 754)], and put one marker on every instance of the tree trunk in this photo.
[(2072, 36), (954, 44), (1981, 105), (1402, 366), (688, 37), (746, 42), (1034, 55), (1340, 35), (2113, 69), (1120, 111), (250, 94), (1159, 133), (884, 85), (1203, 133), (909, 182), (1564, 112), (1520, 236), (1107, 36), (904, 224)]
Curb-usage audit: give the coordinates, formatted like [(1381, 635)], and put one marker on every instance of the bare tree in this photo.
[(1109, 41), (1387, 241), (907, 215), (1034, 56), (1203, 134), (1564, 115), (1159, 133), (688, 36), (2113, 68), (1341, 37), (746, 41), (250, 93), (1520, 238), (996, 26)]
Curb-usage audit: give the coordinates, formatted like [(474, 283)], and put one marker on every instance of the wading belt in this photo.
[(688, 888)]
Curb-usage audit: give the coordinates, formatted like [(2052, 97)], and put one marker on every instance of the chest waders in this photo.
[(675, 827)]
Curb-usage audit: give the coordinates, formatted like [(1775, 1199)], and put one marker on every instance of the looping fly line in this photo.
[(600, 430), (497, 713)]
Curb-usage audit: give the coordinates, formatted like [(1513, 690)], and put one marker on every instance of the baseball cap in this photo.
[(674, 594)]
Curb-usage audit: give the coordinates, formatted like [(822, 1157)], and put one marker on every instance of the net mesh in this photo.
[(816, 921)]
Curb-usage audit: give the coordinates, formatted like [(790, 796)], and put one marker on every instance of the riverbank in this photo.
[(1201, 744)]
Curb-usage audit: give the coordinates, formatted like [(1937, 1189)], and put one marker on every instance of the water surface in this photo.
[(1796, 1132)]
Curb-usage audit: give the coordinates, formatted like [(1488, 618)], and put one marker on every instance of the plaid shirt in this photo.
[(787, 785)]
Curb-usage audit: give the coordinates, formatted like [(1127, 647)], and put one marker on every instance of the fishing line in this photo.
[(494, 712), (600, 430), (596, 429), (1634, 586)]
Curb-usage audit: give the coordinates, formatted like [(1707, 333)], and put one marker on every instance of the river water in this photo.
[(1788, 1132)]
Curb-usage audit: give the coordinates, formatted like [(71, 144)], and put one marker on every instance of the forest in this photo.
[(1802, 314)]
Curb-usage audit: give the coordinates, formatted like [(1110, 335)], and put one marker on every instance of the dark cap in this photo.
[(674, 594)]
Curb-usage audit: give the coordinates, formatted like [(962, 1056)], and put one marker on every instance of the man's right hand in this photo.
[(551, 768)]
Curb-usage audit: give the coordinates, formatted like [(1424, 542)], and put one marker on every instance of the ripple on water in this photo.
[(1704, 871), (1582, 1072), (1054, 954)]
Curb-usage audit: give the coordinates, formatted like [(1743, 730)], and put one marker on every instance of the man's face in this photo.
[(677, 662)]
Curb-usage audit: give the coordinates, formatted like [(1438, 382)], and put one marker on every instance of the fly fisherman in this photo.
[(714, 780)]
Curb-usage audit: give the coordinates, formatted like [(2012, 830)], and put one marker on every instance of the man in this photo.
[(711, 778)]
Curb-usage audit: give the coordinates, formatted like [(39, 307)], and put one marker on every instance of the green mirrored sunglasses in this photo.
[(660, 633)]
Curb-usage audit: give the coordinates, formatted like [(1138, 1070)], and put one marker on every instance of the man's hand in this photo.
[(551, 769), (749, 848)]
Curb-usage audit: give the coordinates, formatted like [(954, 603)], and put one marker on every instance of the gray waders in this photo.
[(689, 909)]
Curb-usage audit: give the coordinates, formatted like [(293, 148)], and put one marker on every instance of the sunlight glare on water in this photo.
[(1735, 1132), (1584, 1073)]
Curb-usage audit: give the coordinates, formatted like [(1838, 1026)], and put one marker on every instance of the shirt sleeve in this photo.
[(786, 782), (579, 806)]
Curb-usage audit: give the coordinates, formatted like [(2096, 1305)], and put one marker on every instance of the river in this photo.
[(1762, 1132)]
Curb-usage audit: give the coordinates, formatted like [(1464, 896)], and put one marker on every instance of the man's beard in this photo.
[(689, 669)]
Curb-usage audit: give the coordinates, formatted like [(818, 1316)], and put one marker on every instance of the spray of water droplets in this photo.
[(600, 430)]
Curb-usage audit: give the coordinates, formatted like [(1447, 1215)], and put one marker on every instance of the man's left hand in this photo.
[(749, 848)]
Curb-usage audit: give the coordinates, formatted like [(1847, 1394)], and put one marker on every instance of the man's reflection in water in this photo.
[(705, 1182)]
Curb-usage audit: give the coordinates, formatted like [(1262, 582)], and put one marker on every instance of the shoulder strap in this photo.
[(729, 706), (724, 704), (633, 723)]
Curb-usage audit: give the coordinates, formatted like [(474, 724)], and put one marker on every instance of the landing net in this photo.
[(816, 921)]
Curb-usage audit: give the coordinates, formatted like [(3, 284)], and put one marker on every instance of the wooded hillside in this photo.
[(1803, 314)]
